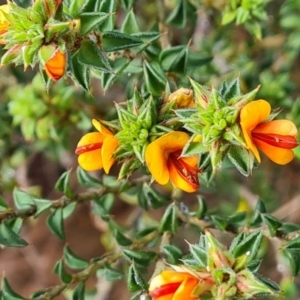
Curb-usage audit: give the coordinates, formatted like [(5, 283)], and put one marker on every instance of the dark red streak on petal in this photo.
[(185, 171), (280, 141), (164, 290), (88, 148)]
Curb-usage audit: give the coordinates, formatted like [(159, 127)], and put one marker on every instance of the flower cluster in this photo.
[(212, 272), (171, 135)]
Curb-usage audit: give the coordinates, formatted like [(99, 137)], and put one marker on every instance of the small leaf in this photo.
[(121, 239), (220, 222), (73, 261), (178, 17), (91, 56), (199, 255), (173, 253), (272, 223), (87, 180), (42, 205), (143, 258), (9, 238), (3, 205), (293, 244), (130, 24), (249, 245), (169, 221), (240, 158), (59, 269), (22, 200), (135, 281), (78, 293), (202, 207), (90, 20), (293, 258), (7, 292), (108, 6), (112, 274), (254, 265), (69, 209), (154, 78), (56, 224), (63, 184), (115, 41)]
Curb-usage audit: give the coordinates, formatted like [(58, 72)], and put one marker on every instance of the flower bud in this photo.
[(53, 61), (184, 98)]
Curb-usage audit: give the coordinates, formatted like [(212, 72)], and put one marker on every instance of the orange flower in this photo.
[(56, 65), (165, 163), (172, 285), (96, 149), (274, 138), (4, 22)]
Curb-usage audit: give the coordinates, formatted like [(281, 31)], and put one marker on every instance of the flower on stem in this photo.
[(96, 149), (4, 22), (172, 285), (184, 98), (164, 161), (274, 138)]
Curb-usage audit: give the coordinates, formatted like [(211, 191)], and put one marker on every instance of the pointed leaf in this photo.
[(121, 239), (108, 6), (22, 200), (59, 269), (42, 205), (78, 293), (56, 224), (90, 20), (63, 184), (130, 24), (9, 238), (178, 17), (135, 281), (3, 205), (169, 221), (173, 253), (240, 158), (199, 255), (87, 180), (154, 78), (73, 261), (143, 258), (91, 56), (272, 223), (7, 292)]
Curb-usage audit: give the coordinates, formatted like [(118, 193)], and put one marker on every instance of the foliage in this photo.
[(177, 107)]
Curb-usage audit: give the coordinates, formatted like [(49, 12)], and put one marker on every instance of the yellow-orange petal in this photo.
[(165, 277), (251, 115), (185, 291), (56, 65), (101, 128), (157, 152), (89, 150), (278, 155), (281, 127), (187, 179), (110, 144)]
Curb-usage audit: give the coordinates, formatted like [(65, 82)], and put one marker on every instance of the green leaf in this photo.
[(293, 258), (179, 65), (86, 180), (143, 258), (173, 253), (259, 209), (78, 293), (228, 17), (130, 24), (103, 205), (22, 200), (91, 56), (240, 158), (220, 222), (90, 20), (168, 56), (230, 89), (115, 41), (135, 281), (56, 224), (238, 219), (178, 17), (112, 274), (69, 209), (169, 221), (152, 197), (7, 292), (59, 269), (73, 261), (272, 223), (293, 244), (242, 15), (108, 6), (199, 254), (254, 265), (127, 4), (249, 246), (144, 232), (63, 184), (9, 238), (42, 205), (202, 207), (79, 72), (3, 205), (121, 239), (154, 78)]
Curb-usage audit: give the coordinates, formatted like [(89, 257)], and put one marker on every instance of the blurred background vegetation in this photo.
[(39, 128)]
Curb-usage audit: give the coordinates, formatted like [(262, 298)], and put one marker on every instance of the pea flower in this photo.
[(184, 98), (274, 138), (56, 65), (4, 22), (164, 161), (172, 285), (96, 149)]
